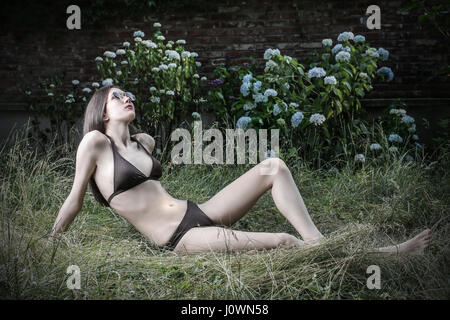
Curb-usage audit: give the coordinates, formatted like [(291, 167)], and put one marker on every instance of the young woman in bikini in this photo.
[(121, 169)]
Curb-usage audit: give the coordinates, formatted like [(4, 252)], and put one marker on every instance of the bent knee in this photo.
[(272, 166)]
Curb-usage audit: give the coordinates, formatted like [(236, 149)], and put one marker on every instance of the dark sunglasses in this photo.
[(120, 95)]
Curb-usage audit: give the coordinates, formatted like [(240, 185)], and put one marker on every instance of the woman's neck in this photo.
[(119, 133)]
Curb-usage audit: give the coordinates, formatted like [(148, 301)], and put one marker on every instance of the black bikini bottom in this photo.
[(194, 217)]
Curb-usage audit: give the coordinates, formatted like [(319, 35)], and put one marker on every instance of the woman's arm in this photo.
[(86, 160)]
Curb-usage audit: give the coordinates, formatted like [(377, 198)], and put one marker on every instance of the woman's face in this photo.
[(119, 106)]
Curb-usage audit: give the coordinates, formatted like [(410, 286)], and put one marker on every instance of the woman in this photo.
[(122, 170)]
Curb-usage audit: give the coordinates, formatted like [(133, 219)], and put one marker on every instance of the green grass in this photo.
[(355, 208)]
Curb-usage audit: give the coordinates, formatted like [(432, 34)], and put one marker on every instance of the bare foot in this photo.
[(413, 246), (416, 244)]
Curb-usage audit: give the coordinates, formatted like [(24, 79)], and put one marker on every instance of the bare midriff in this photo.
[(151, 210)]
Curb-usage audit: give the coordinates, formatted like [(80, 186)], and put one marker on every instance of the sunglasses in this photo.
[(120, 95)]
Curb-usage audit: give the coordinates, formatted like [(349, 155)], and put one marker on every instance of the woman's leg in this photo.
[(204, 239), (235, 200)]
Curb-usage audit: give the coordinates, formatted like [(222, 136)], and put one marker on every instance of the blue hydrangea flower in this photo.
[(359, 38), (336, 48), (393, 137), (407, 119), (248, 77), (343, 56), (330, 80), (384, 54), (372, 52), (259, 97), (316, 72), (386, 73), (345, 36), (243, 122), (245, 89), (276, 110), (360, 157), (296, 119), (257, 86)]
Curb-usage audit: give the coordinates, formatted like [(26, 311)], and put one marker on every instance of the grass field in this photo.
[(356, 209)]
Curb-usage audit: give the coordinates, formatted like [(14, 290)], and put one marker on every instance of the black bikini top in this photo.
[(126, 175)]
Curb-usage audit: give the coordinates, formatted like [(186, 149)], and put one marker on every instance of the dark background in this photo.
[(36, 44)]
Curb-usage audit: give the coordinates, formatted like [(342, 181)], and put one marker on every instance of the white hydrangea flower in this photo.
[(270, 92), (138, 39), (87, 90), (317, 119), (360, 157), (330, 80), (372, 52), (181, 41), (170, 93), (196, 115), (194, 54), (50, 94), (293, 105), (327, 42), (412, 128), (162, 38), (75, 82), (126, 44), (172, 54), (163, 67), (198, 64), (157, 25), (343, 56), (124, 62), (154, 69), (270, 52), (375, 146), (119, 73), (203, 79), (153, 89), (415, 137), (107, 82), (99, 59), (271, 64), (364, 76), (109, 54), (120, 52), (196, 76), (185, 54), (155, 99), (95, 84), (172, 65), (336, 48)]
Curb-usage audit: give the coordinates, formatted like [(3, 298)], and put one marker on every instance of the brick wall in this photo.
[(237, 29)]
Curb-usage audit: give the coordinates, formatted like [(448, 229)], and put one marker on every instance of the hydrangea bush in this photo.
[(315, 103), (162, 75)]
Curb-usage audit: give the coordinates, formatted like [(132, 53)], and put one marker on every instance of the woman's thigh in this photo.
[(236, 199), (205, 239)]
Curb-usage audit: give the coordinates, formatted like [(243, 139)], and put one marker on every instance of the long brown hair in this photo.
[(93, 120)]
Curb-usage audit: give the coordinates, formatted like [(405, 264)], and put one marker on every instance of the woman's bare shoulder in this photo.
[(95, 139)]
